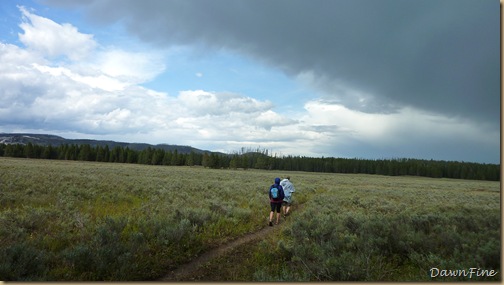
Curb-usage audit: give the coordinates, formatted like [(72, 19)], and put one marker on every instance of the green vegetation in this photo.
[(257, 159), (83, 221), (390, 229)]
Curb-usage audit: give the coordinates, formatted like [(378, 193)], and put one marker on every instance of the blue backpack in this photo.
[(274, 192)]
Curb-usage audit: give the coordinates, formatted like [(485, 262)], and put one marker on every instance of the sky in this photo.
[(371, 79)]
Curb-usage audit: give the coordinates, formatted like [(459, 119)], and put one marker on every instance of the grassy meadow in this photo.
[(85, 221)]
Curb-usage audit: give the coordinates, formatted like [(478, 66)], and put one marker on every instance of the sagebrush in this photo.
[(86, 221)]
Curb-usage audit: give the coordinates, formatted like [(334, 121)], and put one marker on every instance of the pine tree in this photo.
[(174, 158), (29, 151), (205, 162)]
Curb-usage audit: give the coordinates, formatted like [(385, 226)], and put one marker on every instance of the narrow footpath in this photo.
[(186, 272)]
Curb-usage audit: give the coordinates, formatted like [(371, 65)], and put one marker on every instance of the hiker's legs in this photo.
[(273, 209), (278, 209), (286, 206)]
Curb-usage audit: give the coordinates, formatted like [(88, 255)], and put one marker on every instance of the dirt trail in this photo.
[(185, 271)]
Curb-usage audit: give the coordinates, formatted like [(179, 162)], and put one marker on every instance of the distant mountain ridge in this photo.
[(46, 139)]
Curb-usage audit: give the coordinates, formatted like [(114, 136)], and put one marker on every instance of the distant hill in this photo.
[(45, 139)]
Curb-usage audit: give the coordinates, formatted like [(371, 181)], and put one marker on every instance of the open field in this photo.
[(81, 221)]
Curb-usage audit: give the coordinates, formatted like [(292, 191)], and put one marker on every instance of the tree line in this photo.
[(257, 159)]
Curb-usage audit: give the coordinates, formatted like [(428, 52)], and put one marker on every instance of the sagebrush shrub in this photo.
[(100, 221)]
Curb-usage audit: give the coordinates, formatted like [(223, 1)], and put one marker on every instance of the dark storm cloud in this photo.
[(437, 55)]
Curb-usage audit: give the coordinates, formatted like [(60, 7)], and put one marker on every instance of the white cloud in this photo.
[(86, 98), (52, 39), (369, 126), (271, 119), (39, 94), (13, 56), (406, 130), (200, 102), (132, 67), (103, 69), (101, 81), (342, 94)]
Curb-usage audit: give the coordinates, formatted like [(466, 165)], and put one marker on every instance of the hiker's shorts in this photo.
[(276, 206), (287, 201)]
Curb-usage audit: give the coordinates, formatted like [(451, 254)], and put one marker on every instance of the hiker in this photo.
[(276, 195), (288, 188)]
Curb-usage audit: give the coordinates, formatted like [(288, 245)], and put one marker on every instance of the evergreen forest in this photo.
[(257, 159)]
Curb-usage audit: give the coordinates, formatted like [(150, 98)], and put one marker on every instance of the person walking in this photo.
[(276, 195), (288, 188)]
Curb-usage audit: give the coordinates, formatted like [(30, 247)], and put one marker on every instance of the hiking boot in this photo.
[(270, 223)]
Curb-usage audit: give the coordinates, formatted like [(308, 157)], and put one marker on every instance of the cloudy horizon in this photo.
[(354, 79)]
